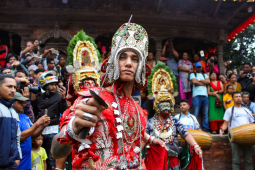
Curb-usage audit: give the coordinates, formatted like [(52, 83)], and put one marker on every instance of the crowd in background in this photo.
[(208, 92)]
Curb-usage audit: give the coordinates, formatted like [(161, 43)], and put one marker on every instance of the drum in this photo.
[(203, 139), (244, 134)]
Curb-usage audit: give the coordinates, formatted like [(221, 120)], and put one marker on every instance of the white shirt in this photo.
[(189, 121), (241, 116)]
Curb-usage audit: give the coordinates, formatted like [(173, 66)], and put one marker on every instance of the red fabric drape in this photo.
[(156, 158), (196, 162)]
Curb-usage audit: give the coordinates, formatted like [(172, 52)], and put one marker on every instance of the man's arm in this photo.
[(223, 128), (206, 81), (33, 130), (175, 53), (60, 150), (196, 82), (36, 43)]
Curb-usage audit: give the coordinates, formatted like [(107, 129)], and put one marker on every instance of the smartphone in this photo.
[(202, 54), (46, 112), (55, 52)]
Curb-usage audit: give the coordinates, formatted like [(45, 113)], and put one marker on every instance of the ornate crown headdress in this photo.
[(136, 40), (83, 59), (162, 84)]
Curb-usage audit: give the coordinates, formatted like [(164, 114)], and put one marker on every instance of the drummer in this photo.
[(237, 116)]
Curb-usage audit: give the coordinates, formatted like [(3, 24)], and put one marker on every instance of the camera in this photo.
[(41, 44), (169, 40), (248, 75), (31, 89)]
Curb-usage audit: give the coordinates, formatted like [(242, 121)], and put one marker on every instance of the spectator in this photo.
[(196, 58), (233, 81), (163, 59), (15, 65), (6, 71), (211, 66), (37, 75), (247, 103), (172, 56), (29, 49), (223, 79), (228, 73), (40, 66), (151, 60), (38, 154), (55, 103), (185, 68), (234, 117), (253, 70), (31, 70), (227, 98), (240, 72), (216, 110), (246, 80), (200, 95), (235, 72), (61, 64), (9, 129), (65, 76), (188, 120), (27, 129), (50, 64)]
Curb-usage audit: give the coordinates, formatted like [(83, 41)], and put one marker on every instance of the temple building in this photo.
[(193, 25)]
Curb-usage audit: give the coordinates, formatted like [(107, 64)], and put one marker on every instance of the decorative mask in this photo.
[(83, 59), (165, 108), (162, 86)]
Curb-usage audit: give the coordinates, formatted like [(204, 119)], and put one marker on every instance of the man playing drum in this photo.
[(236, 116)]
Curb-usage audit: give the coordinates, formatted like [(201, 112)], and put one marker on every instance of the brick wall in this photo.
[(219, 157)]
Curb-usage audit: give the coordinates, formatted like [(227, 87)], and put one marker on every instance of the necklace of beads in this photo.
[(119, 120), (167, 136)]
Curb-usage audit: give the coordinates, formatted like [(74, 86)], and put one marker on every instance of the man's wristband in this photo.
[(36, 125)]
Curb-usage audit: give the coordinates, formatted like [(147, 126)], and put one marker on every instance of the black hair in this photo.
[(39, 70), (49, 60), (228, 87), (194, 55), (235, 92), (230, 75), (63, 70), (212, 73), (245, 93), (12, 55), (60, 56), (5, 69), (247, 63), (185, 101), (3, 77), (20, 71)]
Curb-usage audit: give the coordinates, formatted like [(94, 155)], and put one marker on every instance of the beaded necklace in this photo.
[(122, 164), (167, 135)]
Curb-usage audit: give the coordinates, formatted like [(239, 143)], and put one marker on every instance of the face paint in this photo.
[(164, 108), (87, 84)]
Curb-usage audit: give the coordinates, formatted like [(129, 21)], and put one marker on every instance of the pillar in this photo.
[(158, 47), (11, 42), (220, 58)]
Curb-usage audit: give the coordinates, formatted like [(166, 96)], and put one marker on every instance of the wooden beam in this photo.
[(159, 4), (233, 13), (217, 8)]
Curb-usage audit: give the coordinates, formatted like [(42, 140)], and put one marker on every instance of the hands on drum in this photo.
[(87, 113)]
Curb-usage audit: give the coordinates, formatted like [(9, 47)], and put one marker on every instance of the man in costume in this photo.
[(116, 133), (162, 85)]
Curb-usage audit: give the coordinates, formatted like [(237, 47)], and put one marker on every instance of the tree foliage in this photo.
[(241, 49)]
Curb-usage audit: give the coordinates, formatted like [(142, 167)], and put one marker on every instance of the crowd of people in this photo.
[(36, 102)]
